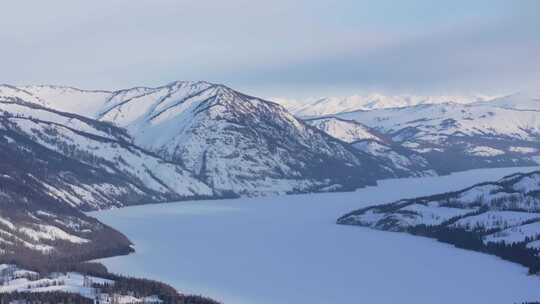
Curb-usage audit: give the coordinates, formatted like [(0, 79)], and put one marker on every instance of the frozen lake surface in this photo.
[(288, 249)]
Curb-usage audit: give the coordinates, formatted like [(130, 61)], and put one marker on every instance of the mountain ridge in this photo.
[(317, 107), (194, 123)]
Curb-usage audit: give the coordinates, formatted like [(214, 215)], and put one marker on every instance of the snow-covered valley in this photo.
[(288, 249)]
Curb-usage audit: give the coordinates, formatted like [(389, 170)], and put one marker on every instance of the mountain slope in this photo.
[(401, 161), (235, 143), (396, 158), (55, 164), (89, 164), (346, 130), (35, 224)]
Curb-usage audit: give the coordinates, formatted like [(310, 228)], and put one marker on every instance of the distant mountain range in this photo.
[(451, 136), (87, 150), (314, 107), (455, 137), (399, 160)]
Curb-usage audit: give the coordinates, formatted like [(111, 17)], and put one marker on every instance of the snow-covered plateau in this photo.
[(288, 249)]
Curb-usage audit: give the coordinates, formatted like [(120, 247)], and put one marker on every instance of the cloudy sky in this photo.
[(275, 48)]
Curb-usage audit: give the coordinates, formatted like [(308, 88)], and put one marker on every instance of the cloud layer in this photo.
[(275, 47)]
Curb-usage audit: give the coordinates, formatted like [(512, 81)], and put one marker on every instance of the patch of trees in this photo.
[(122, 285), (44, 298), (144, 288), (103, 242), (59, 261)]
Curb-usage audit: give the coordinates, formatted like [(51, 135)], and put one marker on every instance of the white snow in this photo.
[(528, 183), (7, 223), (431, 215), (288, 249), (515, 234), (348, 131), (312, 107), (524, 150), (485, 151), (478, 193), (431, 123), (524, 101), (410, 216), (50, 233), (28, 281), (84, 102), (56, 131), (495, 219)]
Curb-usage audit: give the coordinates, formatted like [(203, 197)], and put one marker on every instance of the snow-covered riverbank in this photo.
[(288, 249)]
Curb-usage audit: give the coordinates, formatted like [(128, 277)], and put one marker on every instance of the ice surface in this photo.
[(288, 249)]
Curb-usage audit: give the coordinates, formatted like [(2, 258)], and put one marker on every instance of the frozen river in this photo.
[(288, 249)]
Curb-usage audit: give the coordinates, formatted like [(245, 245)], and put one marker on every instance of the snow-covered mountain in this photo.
[(454, 137), (397, 159), (314, 107), (55, 164), (86, 163), (34, 223), (233, 142), (240, 144), (68, 150), (500, 217)]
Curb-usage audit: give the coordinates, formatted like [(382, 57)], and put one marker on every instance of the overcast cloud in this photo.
[(275, 48)]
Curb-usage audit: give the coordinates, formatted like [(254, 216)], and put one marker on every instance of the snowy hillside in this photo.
[(34, 223), (88, 164), (19, 284), (56, 164), (528, 100), (315, 107), (396, 158), (491, 217), (68, 99), (233, 142), (237, 143), (14, 278), (346, 130), (401, 161)]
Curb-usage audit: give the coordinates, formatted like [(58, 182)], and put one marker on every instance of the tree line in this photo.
[(517, 252)]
